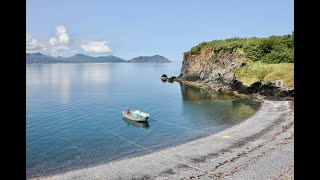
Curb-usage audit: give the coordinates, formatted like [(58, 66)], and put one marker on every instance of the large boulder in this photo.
[(164, 77), (171, 79)]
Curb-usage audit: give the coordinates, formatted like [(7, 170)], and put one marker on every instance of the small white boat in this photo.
[(135, 115)]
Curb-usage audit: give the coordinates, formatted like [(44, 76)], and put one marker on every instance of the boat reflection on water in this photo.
[(143, 124)]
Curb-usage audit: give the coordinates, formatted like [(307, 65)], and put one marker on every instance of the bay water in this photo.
[(71, 109)]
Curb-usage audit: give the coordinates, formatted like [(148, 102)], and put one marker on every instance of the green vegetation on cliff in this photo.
[(267, 59), (271, 50)]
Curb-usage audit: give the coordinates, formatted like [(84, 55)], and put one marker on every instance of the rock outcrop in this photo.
[(164, 77), (171, 79), (272, 90), (209, 67), (217, 70)]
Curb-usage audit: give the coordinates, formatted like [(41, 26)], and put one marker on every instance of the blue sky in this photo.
[(128, 29)]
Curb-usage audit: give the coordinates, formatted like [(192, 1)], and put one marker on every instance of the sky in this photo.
[(127, 28)]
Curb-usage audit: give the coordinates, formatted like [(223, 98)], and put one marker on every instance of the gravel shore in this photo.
[(261, 147)]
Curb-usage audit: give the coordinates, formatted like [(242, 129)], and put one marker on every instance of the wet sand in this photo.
[(258, 148)]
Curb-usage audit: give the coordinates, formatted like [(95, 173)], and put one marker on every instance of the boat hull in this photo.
[(138, 119), (140, 124)]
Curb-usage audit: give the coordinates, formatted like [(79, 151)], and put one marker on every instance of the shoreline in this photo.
[(211, 156), (241, 91), (223, 89)]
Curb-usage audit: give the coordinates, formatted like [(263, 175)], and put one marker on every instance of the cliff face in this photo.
[(211, 68), (217, 70)]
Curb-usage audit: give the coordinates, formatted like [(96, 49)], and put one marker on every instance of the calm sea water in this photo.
[(71, 106)]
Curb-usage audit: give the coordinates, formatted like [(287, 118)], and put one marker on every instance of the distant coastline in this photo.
[(39, 58)]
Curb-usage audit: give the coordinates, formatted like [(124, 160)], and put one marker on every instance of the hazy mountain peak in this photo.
[(77, 58), (150, 59)]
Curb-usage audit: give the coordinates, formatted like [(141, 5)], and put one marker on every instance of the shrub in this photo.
[(274, 49)]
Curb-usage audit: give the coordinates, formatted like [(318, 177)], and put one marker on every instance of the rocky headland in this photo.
[(207, 67)]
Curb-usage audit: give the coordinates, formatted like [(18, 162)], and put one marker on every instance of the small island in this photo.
[(150, 59)]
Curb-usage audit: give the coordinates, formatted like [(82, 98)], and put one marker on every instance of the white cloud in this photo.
[(62, 37), (32, 44), (62, 45), (52, 41), (96, 47), (57, 46)]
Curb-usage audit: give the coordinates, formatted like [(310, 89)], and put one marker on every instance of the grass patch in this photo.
[(258, 71)]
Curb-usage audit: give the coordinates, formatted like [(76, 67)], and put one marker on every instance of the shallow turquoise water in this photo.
[(70, 106)]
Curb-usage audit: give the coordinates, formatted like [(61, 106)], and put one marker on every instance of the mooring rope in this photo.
[(195, 130), (149, 149), (110, 109), (229, 139), (183, 127), (205, 171)]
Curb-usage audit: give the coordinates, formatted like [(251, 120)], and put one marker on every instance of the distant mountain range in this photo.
[(40, 58), (78, 58)]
